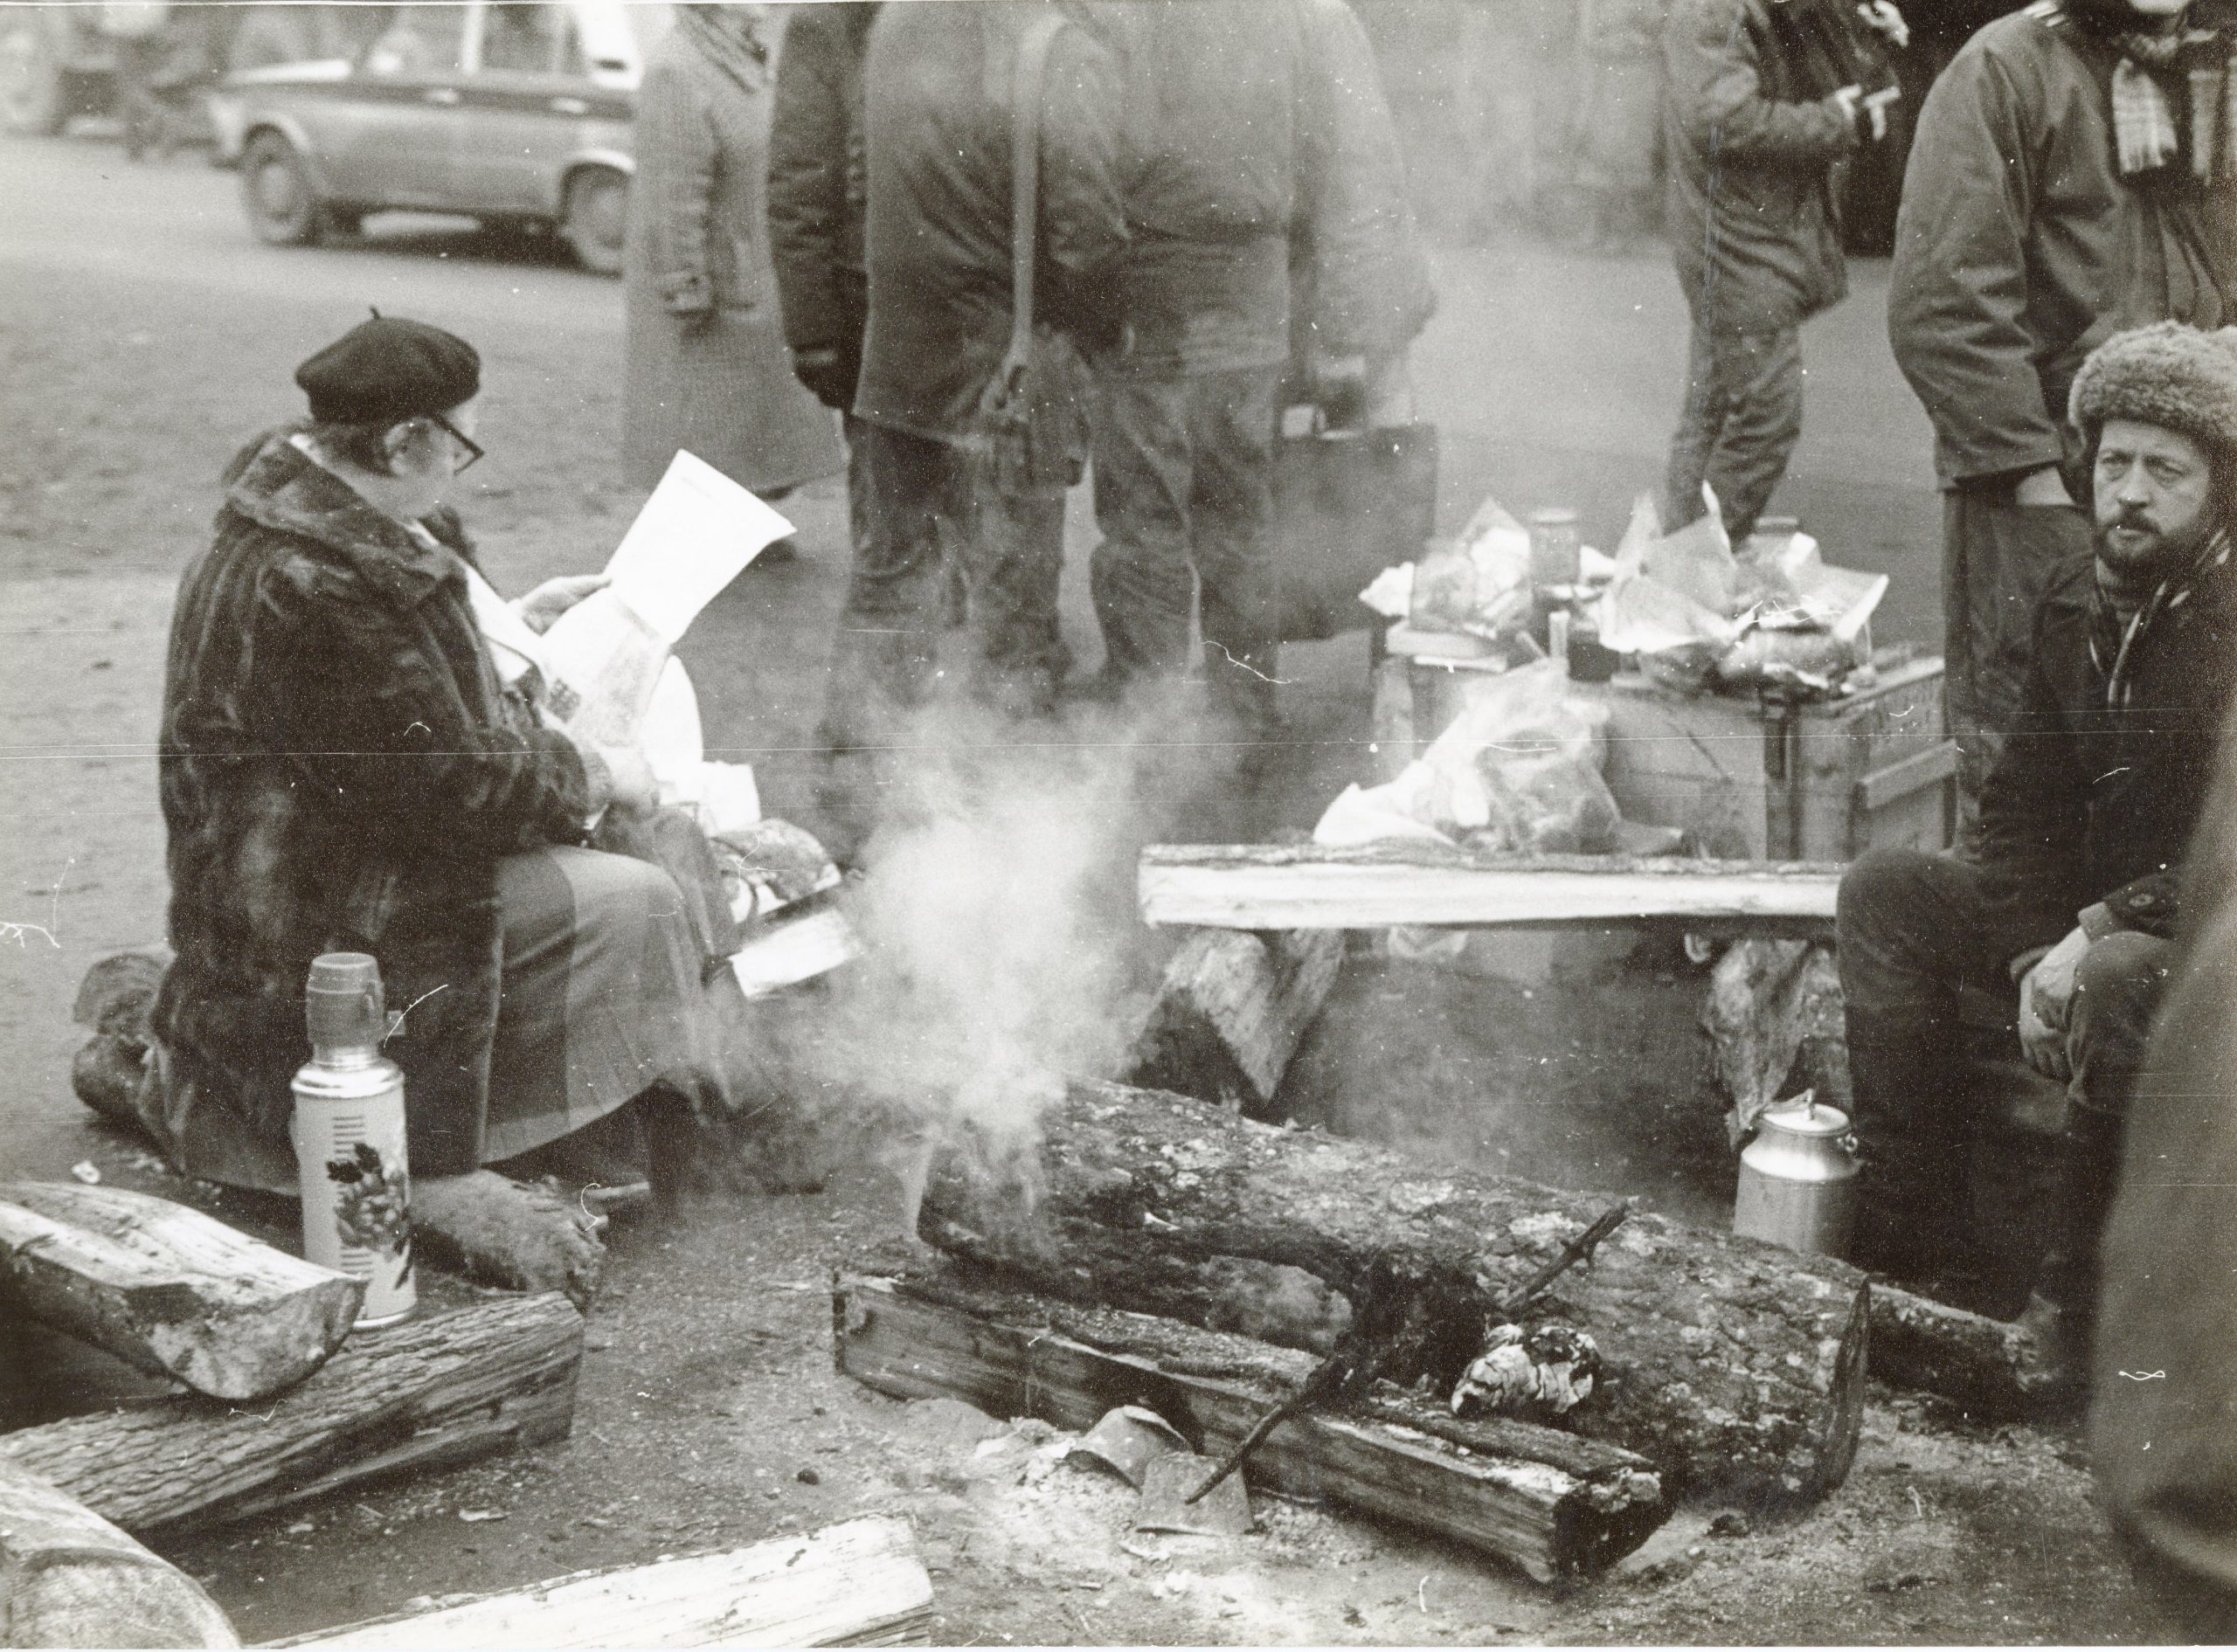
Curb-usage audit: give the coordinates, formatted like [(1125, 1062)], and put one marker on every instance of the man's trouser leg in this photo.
[(913, 494), (1142, 575), (2116, 992), (1231, 429), (1909, 925), (1013, 559), (1741, 418), (1996, 560)]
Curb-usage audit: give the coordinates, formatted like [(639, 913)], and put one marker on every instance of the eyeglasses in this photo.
[(474, 453)]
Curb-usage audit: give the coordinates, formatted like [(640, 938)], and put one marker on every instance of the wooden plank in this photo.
[(1573, 1510), (1306, 887), (168, 1290), (70, 1578), (858, 1583), (425, 1394)]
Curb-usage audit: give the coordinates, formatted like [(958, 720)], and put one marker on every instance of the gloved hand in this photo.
[(2046, 996), (829, 374)]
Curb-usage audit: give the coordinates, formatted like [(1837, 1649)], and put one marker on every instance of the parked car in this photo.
[(508, 113), (56, 64)]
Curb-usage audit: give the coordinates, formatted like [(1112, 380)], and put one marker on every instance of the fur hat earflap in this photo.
[(2168, 374)]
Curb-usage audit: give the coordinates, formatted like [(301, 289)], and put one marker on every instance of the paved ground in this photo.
[(144, 335)]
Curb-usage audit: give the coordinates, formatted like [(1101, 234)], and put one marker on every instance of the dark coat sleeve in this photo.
[(1716, 94), (2034, 824), (676, 145), (1370, 280), (377, 716), (1957, 293), (1083, 220), (807, 177)]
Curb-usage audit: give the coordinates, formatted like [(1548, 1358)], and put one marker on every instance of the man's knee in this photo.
[(1883, 888)]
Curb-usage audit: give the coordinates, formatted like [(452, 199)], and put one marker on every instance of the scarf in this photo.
[(2113, 643), (730, 39), (2147, 135)]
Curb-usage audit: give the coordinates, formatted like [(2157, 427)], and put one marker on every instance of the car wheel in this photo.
[(32, 99), (594, 216), (283, 207)]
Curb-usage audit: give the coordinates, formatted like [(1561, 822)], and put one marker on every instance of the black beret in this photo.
[(387, 369)]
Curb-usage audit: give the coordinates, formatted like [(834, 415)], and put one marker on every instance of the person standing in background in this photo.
[(1515, 70), (2073, 174), (1756, 129), (946, 488), (1619, 127), (1225, 151), (708, 369)]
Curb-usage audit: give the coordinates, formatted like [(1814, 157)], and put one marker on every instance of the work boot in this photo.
[(2061, 1310), (1913, 1189)]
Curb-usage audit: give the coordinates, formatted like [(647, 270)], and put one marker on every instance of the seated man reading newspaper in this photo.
[(351, 763)]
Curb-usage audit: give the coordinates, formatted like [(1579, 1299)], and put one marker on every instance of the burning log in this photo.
[(858, 1583), (1305, 885), (169, 1290), (1231, 1011), (1549, 1503), (429, 1393), (69, 1578), (1736, 1367)]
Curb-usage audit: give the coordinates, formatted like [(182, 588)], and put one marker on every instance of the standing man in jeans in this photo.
[(2073, 174), (1757, 128)]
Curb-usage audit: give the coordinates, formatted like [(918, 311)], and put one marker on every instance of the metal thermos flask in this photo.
[(1798, 1179), (348, 1134)]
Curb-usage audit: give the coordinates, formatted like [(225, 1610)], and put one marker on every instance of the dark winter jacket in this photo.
[(936, 231), (2087, 803), (1754, 226), (817, 187), (341, 770), (1224, 149), (2019, 249)]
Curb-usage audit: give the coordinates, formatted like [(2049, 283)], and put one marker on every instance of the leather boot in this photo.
[(2061, 1310), (1913, 1187)]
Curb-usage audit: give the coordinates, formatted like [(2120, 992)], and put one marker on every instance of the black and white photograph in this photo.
[(1118, 823)]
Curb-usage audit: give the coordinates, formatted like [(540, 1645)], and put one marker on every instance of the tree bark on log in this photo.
[(426, 1394), (1305, 885), (1230, 1013), (858, 1583), (1735, 1366), (168, 1290), (1992, 1367), (1549, 1503), (70, 1578)]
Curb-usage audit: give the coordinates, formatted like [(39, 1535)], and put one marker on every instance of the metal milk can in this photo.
[(1798, 1179), (348, 1134)]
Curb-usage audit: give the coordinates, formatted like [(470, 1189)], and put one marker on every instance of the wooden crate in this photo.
[(1748, 779)]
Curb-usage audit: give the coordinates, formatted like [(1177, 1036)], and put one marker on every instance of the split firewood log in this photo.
[(1735, 1366), (168, 1290), (1231, 1011), (70, 1578)]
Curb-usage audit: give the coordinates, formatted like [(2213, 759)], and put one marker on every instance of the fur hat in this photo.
[(2168, 374)]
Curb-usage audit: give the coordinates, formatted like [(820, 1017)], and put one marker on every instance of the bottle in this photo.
[(1555, 550), (1798, 1179), (348, 1134)]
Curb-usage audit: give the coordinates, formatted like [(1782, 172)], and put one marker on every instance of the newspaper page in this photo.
[(602, 658)]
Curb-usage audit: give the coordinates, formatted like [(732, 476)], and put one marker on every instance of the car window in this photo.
[(418, 40), (531, 40)]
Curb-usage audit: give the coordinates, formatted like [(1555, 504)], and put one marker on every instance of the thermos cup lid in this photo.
[(343, 1002)]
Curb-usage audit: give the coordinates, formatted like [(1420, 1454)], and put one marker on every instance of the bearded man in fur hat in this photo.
[(2054, 944)]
